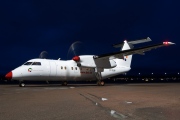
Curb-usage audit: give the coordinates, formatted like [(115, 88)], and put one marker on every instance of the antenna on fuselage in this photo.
[(43, 55)]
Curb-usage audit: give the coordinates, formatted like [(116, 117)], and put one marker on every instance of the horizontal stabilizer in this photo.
[(133, 42), (140, 41)]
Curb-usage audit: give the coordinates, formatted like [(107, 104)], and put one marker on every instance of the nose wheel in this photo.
[(21, 84)]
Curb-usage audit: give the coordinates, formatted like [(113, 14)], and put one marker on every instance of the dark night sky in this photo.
[(29, 27)]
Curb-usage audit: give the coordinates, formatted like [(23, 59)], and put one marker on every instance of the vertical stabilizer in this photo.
[(126, 61)]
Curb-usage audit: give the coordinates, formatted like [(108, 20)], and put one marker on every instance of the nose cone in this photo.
[(9, 76)]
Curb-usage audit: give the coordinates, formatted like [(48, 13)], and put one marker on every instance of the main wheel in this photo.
[(64, 83), (98, 83), (102, 83), (21, 84)]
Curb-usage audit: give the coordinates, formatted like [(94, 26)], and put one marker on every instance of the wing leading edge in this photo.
[(141, 51)]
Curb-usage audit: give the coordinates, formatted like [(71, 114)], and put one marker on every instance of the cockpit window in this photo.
[(28, 63), (36, 63)]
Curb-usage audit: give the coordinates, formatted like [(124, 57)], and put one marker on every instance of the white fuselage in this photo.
[(83, 67), (59, 70)]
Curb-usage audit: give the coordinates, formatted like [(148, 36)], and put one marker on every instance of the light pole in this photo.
[(165, 76), (178, 76), (139, 75), (125, 78), (152, 77)]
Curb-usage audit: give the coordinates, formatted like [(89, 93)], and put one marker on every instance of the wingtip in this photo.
[(172, 43), (168, 43)]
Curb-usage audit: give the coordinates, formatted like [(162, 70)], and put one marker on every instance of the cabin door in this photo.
[(52, 68)]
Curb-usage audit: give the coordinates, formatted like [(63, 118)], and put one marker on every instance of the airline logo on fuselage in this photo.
[(30, 69)]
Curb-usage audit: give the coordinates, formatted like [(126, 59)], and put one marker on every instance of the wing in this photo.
[(141, 51)]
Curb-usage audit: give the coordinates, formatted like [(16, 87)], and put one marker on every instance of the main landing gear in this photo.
[(64, 83), (21, 84), (100, 83)]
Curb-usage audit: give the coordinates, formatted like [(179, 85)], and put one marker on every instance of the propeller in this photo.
[(75, 50), (43, 55)]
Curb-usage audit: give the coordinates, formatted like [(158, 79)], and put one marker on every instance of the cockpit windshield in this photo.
[(32, 63), (36, 63), (28, 63)]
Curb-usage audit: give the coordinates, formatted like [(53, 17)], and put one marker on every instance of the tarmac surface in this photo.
[(142, 101)]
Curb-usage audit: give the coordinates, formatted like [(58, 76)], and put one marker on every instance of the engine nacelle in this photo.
[(89, 61)]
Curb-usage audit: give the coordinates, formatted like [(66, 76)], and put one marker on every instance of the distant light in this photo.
[(165, 73), (178, 73), (139, 73), (152, 73)]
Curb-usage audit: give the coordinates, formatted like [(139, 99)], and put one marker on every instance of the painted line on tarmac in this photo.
[(60, 88), (113, 113)]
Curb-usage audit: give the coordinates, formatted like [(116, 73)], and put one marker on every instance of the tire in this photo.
[(102, 83), (21, 85), (98, 83), (64, 84)]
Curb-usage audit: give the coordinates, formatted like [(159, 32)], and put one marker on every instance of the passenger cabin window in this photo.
[(61, 67), (36, 63), (72, 68), (76, 68), (65, 68), (28, 63)]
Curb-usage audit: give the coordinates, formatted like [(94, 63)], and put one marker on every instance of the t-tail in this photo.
[(125, 61)]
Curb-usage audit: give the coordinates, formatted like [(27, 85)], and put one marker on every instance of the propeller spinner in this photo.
[(76, 58)]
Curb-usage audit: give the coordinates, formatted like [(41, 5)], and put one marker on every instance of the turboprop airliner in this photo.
[(82, 67)]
